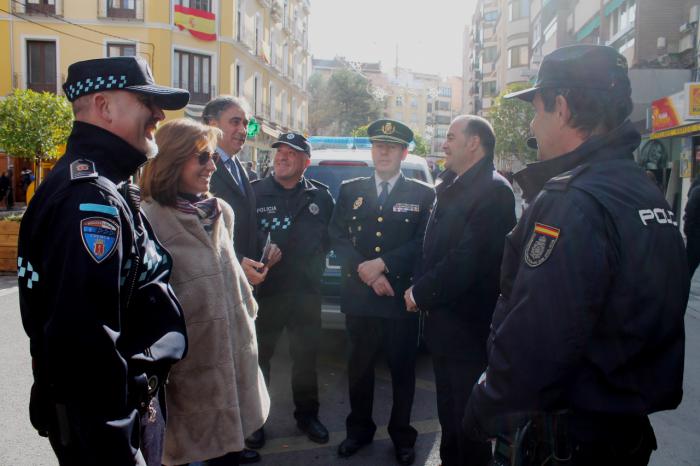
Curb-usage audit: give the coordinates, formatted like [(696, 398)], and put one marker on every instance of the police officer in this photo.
[(376, 231), (103, 322), (585, 335), (294, 211)]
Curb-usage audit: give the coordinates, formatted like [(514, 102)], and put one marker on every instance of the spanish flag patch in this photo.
[(540, 245)]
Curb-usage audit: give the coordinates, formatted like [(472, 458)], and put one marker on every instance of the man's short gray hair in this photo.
[(218, 105)]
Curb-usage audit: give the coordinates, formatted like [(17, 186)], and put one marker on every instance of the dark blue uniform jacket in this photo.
[(360, 231), (458, 281), (95, 299), (593, 294), (297, 221)]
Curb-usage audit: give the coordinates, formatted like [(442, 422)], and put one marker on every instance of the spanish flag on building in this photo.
[(200, 23)]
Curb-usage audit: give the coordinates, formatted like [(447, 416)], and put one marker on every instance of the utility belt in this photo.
[(558, 439)]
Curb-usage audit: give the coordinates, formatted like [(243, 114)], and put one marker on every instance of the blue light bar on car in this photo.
[(343, 142)]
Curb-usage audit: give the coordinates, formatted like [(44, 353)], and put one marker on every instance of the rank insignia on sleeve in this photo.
[(357, 204), (540, 245), (100, 236)]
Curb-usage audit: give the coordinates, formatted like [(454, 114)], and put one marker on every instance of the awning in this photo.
[(588, 28), (677, 131), (270, 131), (612, 6)]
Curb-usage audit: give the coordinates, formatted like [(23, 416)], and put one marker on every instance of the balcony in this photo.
[(37, 7)]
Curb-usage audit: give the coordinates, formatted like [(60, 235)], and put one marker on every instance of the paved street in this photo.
[(678, 431)]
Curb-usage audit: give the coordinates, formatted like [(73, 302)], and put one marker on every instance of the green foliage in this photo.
[(341, 103), (33, 125), (511, 123)]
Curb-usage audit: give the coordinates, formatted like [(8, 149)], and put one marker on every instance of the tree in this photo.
[(34, 125), (341, 103), (511, 123), (420, 145)]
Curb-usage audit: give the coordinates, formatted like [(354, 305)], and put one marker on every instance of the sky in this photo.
[(428, 33)]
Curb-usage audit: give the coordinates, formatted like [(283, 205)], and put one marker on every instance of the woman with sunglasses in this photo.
[(216, 395)]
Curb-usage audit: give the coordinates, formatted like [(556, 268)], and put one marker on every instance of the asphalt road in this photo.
[(678, 431)]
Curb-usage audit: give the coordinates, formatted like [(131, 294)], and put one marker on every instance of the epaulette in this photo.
[(352, 180), (318, 184), (561, 182), (83, 169), (252, 182)]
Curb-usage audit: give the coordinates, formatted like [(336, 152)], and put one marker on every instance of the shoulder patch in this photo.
[(100, 236), (540, 245), (83, 169), (561, 182)]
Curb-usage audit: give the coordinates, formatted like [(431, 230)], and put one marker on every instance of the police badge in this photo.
[(540, 245), (313, 208), (100, 237), (388, 128)]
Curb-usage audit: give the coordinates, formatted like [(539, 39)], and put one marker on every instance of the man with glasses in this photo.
[(294, 211), (103, 322)]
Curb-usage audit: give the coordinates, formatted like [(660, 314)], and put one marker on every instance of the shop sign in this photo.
[(664, 112), (200, 23)]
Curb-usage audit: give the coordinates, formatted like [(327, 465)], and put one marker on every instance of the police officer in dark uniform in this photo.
[(103, 322), (377, 231), (294, 211), (587, 337)]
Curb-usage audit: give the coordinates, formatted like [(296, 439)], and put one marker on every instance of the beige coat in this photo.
[(216, 396)]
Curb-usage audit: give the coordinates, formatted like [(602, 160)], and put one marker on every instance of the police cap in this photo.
[(580, 67), (120, 73), (393, 131), (294, 140)]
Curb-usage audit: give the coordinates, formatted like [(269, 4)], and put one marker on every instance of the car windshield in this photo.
[(334, 175)]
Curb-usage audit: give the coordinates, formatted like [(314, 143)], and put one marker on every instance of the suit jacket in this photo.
[(458, 283), (245, 235), (360, 231)]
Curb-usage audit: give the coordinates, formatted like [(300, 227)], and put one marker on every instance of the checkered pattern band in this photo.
[(88, 85), (26, 270)]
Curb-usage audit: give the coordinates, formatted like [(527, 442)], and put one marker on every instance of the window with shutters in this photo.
[(121, 9), (204, 5), (121, 50), (192, 71), (41, 66), (40, 7)]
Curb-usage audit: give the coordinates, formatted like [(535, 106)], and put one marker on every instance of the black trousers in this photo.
[(300, 314), (398, 338), (454, 379)]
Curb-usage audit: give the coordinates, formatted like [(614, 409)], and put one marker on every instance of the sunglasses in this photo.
[(205, 156)]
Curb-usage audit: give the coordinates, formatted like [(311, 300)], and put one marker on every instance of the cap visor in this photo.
[(526, 94), (295, 147), (388, 139), (167, 98)]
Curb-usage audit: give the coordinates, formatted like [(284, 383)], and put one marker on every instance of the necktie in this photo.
[(383, 194), (236, 176)]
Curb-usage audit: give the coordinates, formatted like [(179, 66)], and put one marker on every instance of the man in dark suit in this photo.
[(376, 231), (458, 283), (230, 180)]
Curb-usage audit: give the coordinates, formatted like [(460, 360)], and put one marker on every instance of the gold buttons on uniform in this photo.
[(406, 220), (379, 233), (354, 217), (359, 227), (380, 219), (377, 249)]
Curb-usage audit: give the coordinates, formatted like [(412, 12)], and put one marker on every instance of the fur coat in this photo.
[(216, 396)]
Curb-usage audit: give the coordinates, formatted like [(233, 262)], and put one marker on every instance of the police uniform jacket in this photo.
[(102, 319), (360, 231), (593, 293), (297, 221), (246, 242), (462, 251)]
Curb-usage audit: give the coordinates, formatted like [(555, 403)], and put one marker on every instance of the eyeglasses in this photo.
[(205, 156)]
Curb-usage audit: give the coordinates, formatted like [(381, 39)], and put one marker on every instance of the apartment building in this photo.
[(252, 48)]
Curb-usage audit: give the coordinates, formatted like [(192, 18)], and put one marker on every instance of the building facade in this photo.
[(257, 49)]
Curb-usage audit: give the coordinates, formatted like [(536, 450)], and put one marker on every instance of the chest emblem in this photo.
[(313, 208), (358, 203), (100, 236), (540, 245), (401, 207)]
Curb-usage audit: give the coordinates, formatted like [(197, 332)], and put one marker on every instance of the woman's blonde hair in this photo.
[(178, 141)]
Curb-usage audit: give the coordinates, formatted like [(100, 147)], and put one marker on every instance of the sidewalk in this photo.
[(17, 209)]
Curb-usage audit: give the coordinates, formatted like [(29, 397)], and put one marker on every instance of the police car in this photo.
[(331, 166)]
